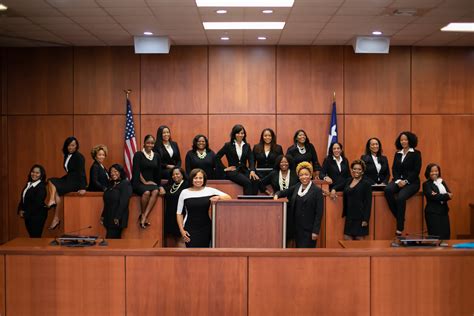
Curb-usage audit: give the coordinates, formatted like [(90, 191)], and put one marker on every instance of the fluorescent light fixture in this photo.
[(245, 3), (459, 27), (225, 38), (3, 7), (267, 11), (243, 25), (376, 33), (147, 33), (221, 11), (261, 38)]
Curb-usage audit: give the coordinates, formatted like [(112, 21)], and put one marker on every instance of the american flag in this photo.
[(130, 141)]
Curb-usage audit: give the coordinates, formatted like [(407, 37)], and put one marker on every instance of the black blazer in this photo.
[(437, 204), (339, 178), (165, 156), (409, 169), (34, 201), (310, 156), (262, 161), (230, 152), (309, 216), (76, 170), (116, 199), (273, 179), (98, 179), (371, 173), (358, 203)]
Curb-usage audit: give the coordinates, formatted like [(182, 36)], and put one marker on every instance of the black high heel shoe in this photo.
[(49, 207), (142, 225)]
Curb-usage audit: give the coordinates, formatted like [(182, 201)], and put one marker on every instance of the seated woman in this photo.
[(376, 164), (173, 189), (31, 206), (168, 151), (406, 177), (98, 176), (303, 150), (146, 179), (201, 156), (196, 201), (73, 181), (266, 152), (116, 199), (282, 177), (306, 205), (239, 154), (437, 195), (335, 169), (357, 203)]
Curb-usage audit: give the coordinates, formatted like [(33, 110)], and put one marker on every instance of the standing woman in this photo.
[(282, 176), (406, 177), (335, 169), (266, 152), (239, 154), (357, 203), (437, 196), (306, 203), (98, 176), (173, 189), (74, 180), (31, 206), (146, 178), (116, 198), (168, 151), (376, 164), (201, 156), (303, 150), (196, 227)]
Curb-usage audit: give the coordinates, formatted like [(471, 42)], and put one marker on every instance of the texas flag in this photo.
[(332, 135)]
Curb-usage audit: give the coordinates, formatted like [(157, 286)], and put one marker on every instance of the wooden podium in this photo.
[(249, 224)]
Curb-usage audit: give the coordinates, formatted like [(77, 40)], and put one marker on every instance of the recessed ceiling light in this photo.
[(245, 3), (243, 25), (376, 33), (147, 33), (261, 38), (267, 11), (3, 7), (459, 27), (225, 38), (221, 11)]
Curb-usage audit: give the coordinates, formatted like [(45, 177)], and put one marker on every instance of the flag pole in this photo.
[(334, 96), (127, 92)]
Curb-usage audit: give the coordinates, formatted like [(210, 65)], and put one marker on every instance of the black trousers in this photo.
[(113, 233), (34, 225), (303, 239), (242, 179), (397, 200), (438, 225)]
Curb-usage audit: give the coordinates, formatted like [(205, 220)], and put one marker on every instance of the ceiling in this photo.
[(308, 22)]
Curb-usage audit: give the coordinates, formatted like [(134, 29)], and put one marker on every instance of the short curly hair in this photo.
[(359, 162), (97, 148), (304, 165)]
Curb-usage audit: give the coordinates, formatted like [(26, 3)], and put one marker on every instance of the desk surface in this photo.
[(384, 244)]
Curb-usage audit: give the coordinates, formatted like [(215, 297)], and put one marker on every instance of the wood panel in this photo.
[(175, 82), (385, 223), (309, 286), (447, 140), (377, 83), (425, 285), (40, 81), (307, 77), (81, 212), (242, 79), (65, 285), (33, 139), (442, 80), (186, 285), (100, 76), (4, 180), (362, 127), (109, 130), (155, 231), (2, 285)]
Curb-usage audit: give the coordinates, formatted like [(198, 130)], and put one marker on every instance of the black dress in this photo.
[(310, 156), (273, 179), (357, 204), (166, 159), (150, 171), (98, 178), (75, 178), (197, 223), (171, 204), (437, 210), (339, 178), (265, 161), (371, 173), (208, 163), (116, 200), (33, 205)]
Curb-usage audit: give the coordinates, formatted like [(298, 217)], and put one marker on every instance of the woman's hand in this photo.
[(314, 236), (364, 224), (101, 220), (328, 179), (162, 191), (333, 194), (275, 197), (21, 213), (402, 183), (253, 175), (214, 198), (82, 192), (169, 166), (450, 195), (230, 168), (116, 221), (185, 236)]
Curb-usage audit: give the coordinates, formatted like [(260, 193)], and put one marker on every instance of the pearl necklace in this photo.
[(301, 150), (175, 187), (148, 156), (201, 156)]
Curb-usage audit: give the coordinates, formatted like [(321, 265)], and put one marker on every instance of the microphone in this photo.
[(55, 241)]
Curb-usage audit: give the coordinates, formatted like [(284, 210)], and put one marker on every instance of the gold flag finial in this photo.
[(334, 96), (127, 92)]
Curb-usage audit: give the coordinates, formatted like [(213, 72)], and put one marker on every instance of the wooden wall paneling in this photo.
[(442, 80), (154, 231), (410, 280), (241, 79), (65, 285), (377, 83), (324, 286), (4, 180), (3, 81), (33, 139), (175, 83), (446, 140), (307, 77), (316, 127), (40, 81), (2, 285), (100, 76), (359, 128), (186, 285)]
